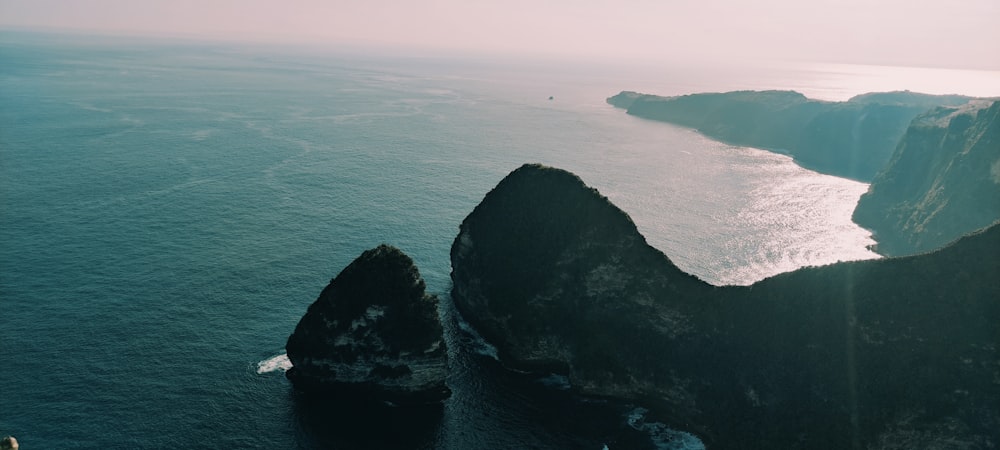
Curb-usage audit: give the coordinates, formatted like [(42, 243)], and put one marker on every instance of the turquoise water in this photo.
[(170, 209)]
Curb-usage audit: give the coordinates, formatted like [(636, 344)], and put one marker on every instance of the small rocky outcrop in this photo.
[(373, 334), (942, 182), (880, 354), (852, 139), (9, 443)]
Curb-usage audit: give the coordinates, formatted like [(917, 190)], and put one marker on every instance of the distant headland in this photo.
[(942, 181), (852, 139), (933, 161)]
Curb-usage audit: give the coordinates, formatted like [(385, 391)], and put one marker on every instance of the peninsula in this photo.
[(877, 354), (851, 139)]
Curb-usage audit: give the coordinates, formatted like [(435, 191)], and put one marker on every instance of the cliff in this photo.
[(852, 139), (943, 181), (373, 334), (893, 353)]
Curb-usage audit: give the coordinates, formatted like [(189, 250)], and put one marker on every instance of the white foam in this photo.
[(272, 364), (662, 437), (478, 343)]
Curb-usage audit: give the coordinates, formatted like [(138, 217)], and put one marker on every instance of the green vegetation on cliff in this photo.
[(892, 353), (943, 181), (852, 139)]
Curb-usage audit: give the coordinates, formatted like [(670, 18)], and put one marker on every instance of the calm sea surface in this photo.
[(169, 210)]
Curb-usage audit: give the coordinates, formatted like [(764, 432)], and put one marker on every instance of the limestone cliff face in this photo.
[(943, 181), (373, 334), (852, 139), (870, 354)]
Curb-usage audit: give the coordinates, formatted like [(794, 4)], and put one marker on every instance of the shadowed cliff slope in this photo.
[(851, 139), (373, 334), (943, 181), (894, 353)]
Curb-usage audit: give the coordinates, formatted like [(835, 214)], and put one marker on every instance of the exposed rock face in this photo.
[(372, 334), (852, 139), (866, 354), (943, 181)]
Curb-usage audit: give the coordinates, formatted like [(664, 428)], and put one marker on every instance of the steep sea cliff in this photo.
[(943, 181), (170, 210)]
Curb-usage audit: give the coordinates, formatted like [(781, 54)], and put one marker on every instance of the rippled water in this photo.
[(169, 210)]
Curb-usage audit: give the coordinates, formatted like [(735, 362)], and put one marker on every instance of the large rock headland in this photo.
[(373, 334), (891, 353)]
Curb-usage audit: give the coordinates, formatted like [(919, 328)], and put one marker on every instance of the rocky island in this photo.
[(852, 139), (879, 354), (373, 334)]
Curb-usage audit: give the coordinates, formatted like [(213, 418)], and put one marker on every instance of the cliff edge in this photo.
[(943, 181)]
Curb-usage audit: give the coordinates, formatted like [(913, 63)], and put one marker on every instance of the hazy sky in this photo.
[(954, 33)]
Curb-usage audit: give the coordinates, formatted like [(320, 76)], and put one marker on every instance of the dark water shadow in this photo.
[(556, 417), (331, 422)]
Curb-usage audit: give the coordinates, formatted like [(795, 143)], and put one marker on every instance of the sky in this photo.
[(925, 33)]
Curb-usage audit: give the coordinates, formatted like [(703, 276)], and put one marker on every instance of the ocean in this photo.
[(169, 208)]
